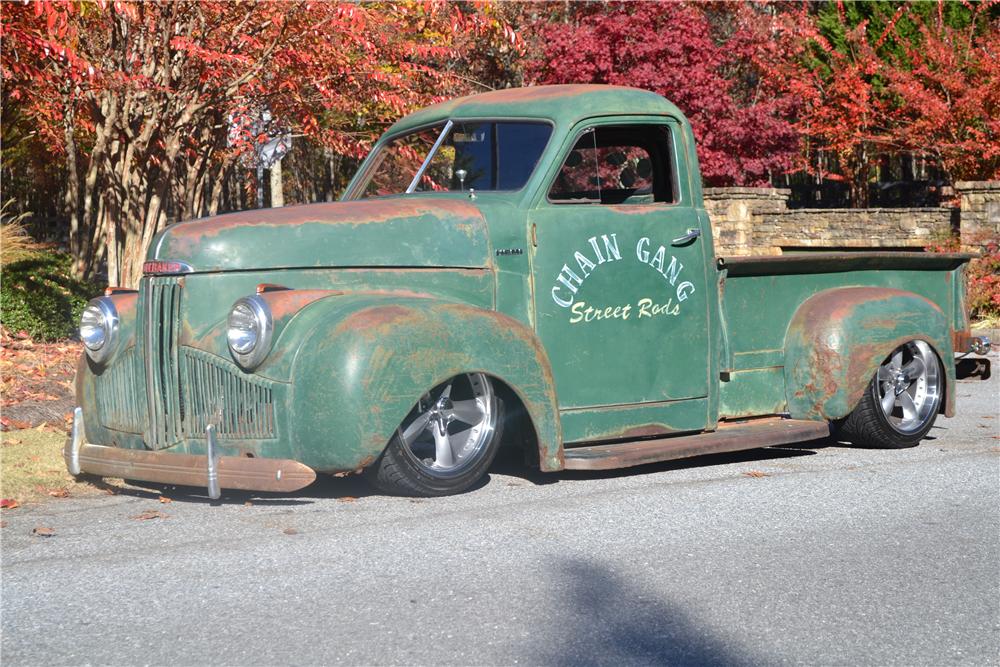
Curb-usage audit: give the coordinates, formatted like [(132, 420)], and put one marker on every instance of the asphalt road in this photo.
[(834, 556)]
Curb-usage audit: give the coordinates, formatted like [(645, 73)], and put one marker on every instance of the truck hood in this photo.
[(408, 232)]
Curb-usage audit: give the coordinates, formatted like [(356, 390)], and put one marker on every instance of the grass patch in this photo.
[(32, 468), (986, 323)]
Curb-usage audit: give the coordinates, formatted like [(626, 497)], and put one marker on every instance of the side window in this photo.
[(617, 165)]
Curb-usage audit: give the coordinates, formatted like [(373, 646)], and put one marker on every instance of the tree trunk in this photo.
[(277, 191), (72, 199)]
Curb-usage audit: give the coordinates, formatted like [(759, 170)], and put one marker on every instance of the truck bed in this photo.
[(760, 295)]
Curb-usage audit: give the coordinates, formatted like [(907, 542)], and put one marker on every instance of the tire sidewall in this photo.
[(889, 431), (419, 482)]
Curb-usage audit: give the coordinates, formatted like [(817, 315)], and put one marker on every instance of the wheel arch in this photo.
[(365, 363), (837, 339)]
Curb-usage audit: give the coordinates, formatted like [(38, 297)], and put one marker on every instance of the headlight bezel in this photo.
[(265, 330), (110, 326)]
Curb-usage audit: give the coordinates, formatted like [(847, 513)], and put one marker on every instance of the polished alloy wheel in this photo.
[(908, 387), (450, 426)]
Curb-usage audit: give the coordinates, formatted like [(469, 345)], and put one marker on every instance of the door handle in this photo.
[(691, 235)]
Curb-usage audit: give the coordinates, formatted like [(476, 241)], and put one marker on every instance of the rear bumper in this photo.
[(211, 472), (965, 343)]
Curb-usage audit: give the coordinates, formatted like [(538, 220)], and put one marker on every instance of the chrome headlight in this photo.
[(249, 331), (99, 328)]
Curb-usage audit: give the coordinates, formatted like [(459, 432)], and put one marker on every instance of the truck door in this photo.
[(620, 293)]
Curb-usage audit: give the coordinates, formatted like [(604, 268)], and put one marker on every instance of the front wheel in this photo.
[(446, 443), (902, 401)]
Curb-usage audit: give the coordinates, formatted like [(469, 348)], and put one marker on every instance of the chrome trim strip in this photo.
[(430, 155), (71, 452), (212, 460), (152, 412)]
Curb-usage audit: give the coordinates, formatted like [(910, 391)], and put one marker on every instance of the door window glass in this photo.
[(617, 165)]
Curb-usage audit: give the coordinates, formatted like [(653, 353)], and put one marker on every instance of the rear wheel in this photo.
[(446, 443), (902, 401)]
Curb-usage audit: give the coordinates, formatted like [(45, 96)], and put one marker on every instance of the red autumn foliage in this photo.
[(949, 99), (137, 97), (937, 94), (982, 276), (742, 126)]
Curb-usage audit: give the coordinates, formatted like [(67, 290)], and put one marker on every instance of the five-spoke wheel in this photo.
[(446, 442), (903, 400)]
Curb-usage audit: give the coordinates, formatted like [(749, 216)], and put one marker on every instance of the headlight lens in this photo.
[(249, 331), (99, 327)]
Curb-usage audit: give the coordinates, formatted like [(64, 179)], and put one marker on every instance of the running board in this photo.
[(729, 438)]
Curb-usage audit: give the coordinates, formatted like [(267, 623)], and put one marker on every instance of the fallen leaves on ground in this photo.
[(346, 499), (756, 473), (34, 371), (290, 531), (9, 503), (43, 531), (149, 514), (59, 493), (165, 500)]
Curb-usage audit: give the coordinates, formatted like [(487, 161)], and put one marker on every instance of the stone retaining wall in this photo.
[(980, 211), (757, 221)]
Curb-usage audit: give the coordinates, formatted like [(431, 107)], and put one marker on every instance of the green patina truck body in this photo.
[(532, 267)]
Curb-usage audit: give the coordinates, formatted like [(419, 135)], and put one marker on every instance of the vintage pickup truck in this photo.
[(532, 267)]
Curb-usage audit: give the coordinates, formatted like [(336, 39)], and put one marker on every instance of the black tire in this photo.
[(399, 472), (869, 425)]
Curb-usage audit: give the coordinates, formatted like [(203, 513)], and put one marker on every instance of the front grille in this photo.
[(161, 308), (187, 389), (218, 393), (119, 394)]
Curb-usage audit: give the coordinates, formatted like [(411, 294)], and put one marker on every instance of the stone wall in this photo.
[(980, 211), (900, 228), (739, 218), (757, 221)]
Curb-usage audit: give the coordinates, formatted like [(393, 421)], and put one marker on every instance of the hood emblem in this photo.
[(165, 267)]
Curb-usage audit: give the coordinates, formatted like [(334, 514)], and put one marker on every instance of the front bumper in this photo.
[(209, 471)]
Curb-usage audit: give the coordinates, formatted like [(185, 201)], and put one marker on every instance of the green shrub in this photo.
[(38, 295)]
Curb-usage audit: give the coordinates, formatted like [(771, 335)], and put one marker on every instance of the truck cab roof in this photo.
[(565, 105)]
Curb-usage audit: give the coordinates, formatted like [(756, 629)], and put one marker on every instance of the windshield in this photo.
[(463, 156)]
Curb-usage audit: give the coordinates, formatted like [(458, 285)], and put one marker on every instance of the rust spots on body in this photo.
[(327, 213), (645, 431), (289, 302), (377, 318)]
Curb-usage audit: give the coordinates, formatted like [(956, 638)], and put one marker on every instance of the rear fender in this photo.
[(838, 338), (368, 358)]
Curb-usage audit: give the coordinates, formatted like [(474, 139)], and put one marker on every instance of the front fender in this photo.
[(366, 359), (838, 338)]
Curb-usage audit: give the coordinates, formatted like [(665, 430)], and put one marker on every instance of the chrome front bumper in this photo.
[(210, 471)]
